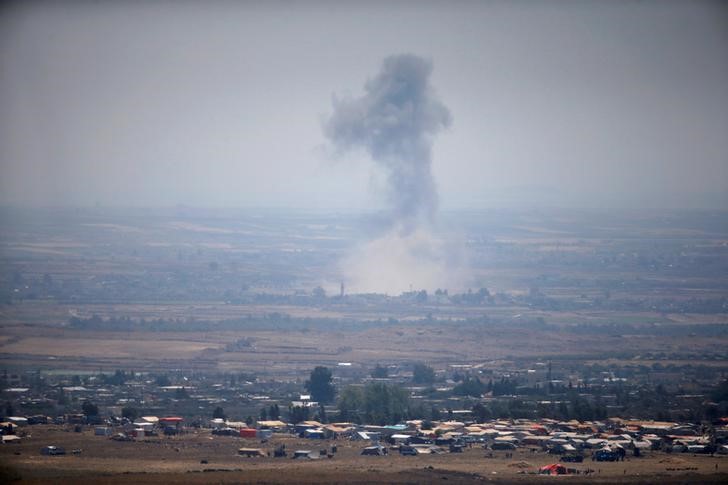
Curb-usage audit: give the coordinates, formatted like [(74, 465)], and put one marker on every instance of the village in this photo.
[(524, 447), (456, 415)]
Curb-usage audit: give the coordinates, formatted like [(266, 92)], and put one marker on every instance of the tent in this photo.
[(553, 469), (374, 450)]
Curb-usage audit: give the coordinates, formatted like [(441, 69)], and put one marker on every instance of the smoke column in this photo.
[(395, 121)]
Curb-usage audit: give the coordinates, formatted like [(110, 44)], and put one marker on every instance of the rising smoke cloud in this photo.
[(395, 121)]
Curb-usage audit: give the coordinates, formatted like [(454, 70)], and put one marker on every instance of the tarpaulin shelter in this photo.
[(553, 469)]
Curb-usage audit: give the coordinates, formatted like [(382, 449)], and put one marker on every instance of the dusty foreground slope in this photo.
[(200, 457)]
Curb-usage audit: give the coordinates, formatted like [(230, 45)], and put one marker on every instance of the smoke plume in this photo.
[(395, 121)]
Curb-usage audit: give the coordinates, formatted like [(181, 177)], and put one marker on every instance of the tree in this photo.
[(469, 387), (89, 408), (351, 401), (296, 414), (274, 412), (321, 415), (62, 399), (263, 416), (319, 385), (720, 393), (481, 412), (129, 413), (384, 404), (375, 403), (218, 413), (422, 374), (163, 381), (379, 372), (249, 420)]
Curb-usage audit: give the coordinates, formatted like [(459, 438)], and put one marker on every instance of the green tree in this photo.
[(62, 398), (423, 374), (385, 404), (321, 414), (163, 381), (129, 413), (351, 400), (274, 412), (296, 414), (320, 386), (263, 416), (469, 387), (218, 413), (89, 408), (481, 412), (720, 393), (379, 372)]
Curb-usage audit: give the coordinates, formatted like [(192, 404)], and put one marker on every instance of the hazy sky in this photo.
[(588, 103)]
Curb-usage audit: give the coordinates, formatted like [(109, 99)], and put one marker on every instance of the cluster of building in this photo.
[(608, 440)]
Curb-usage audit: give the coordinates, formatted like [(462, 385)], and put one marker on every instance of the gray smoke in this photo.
[(395, 122)]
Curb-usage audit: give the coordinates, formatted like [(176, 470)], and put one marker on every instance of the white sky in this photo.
[(614, 103)]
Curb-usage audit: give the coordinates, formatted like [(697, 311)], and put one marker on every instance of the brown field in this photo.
[(108, 348), (37, 346), (178, 459), (275, 352)]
